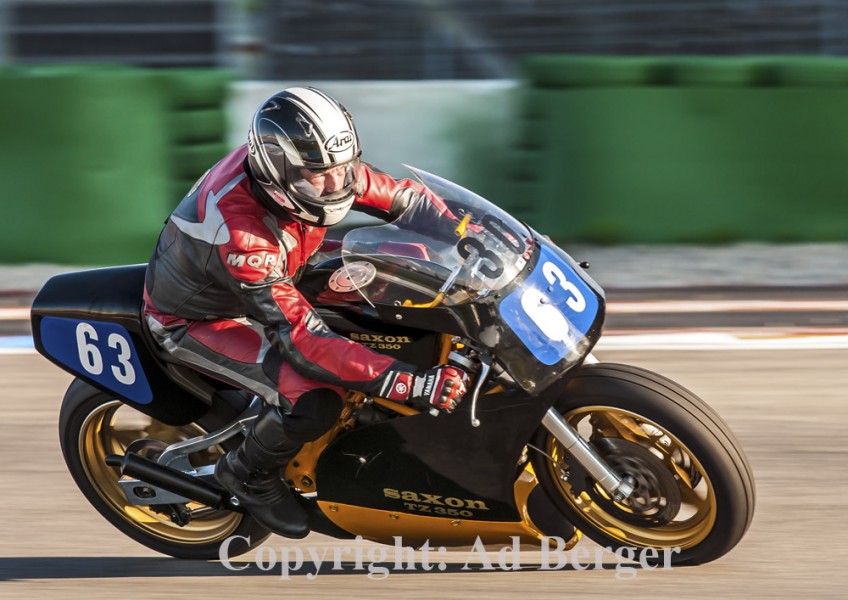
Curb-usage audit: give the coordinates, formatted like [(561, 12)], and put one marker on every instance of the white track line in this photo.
[(713, 306), (674, 341), (647, 307), (16, 344), (14, 314), (636, 307), (739, 339), (718, 340)]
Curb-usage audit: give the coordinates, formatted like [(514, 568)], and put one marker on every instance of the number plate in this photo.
[(100, 351), (552, 312)]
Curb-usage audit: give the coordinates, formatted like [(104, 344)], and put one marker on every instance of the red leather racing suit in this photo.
[(220, 295)]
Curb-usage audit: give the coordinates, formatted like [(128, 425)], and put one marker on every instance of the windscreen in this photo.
[(448, 248)]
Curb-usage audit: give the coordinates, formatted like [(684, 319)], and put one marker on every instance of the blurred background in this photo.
[(650, 122), (694, 151)]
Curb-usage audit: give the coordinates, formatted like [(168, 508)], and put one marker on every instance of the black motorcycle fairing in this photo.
[(412, 340), (437, 467), (479, 321), (114, 295), (510, 290), (410, 345), (108, 294)]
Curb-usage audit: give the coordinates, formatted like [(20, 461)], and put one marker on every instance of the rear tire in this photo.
[(93, 424), (695, 489)]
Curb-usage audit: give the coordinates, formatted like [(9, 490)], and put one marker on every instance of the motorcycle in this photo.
[(548, 441)]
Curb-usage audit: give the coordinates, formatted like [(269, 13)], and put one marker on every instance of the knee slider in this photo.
[(314, 413)]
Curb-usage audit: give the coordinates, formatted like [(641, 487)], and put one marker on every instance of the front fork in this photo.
[(617, 487)]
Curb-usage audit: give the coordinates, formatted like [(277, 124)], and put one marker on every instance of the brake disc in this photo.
[(656, 497)]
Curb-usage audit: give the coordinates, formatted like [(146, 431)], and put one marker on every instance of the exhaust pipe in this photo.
[(171, 480)]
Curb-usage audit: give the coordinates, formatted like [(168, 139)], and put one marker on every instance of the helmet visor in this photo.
[(325, 185)]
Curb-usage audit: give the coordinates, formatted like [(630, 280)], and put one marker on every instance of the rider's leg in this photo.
[(297, 410), (253, 472)]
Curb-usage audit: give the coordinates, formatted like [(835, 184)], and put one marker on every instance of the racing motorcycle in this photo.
[(548, 442)]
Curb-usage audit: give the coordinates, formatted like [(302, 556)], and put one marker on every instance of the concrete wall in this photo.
[(439, 126)]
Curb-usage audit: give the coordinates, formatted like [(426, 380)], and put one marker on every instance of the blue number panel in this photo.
[(100, 351), (552, 312)]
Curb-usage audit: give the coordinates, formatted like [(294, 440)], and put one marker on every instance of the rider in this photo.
[(220, 291)]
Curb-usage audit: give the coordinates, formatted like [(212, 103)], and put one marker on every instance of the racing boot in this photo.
[(253, 474)]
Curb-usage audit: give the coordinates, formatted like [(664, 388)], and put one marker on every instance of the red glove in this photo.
[(440, 387)]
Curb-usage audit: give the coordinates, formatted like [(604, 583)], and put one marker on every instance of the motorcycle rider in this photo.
[(220, 291)]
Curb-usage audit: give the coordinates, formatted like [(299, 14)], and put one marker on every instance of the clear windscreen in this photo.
[(453, 249)]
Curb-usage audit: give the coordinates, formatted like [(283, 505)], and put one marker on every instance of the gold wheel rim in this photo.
[(109, 430), (690, 525)]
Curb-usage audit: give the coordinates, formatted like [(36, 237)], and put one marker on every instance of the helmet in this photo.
[(303, 152)]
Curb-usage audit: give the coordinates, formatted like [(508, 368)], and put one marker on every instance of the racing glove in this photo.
[(441, 388)]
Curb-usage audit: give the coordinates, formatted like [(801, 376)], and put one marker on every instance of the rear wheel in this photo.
[(92, 425), (693, 486)]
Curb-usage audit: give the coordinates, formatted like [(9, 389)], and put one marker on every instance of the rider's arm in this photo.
[(381, 195), (293, 326), (313, 350)]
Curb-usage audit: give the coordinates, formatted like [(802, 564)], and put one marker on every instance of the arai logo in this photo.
[(340, 142)]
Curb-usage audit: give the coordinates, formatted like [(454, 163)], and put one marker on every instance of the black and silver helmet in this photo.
[(304, 154)]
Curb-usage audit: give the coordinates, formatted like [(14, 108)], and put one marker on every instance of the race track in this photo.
[(789, 408)]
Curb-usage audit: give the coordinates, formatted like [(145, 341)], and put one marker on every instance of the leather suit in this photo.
[(220, 290)]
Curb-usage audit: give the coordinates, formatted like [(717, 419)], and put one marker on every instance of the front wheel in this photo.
[(694, 490), (92, 425)]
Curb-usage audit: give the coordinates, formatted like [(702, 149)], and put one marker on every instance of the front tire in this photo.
[(92, 425), (694, 486)]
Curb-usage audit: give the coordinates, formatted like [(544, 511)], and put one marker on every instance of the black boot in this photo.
[(253, 474)]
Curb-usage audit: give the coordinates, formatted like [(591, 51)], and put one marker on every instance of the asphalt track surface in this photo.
[(788, 408)]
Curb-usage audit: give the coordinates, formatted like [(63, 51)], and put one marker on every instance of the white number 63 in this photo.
[(91, 359)]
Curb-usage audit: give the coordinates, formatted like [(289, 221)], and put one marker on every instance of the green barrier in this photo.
[(90, 158), (83, 165), (192, 160), (195, 88), (201, 125), (685, 150)]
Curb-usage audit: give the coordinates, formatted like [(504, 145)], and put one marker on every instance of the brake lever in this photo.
[(485, 367)]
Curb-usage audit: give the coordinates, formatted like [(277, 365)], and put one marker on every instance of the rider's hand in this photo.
[(441, 388)]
